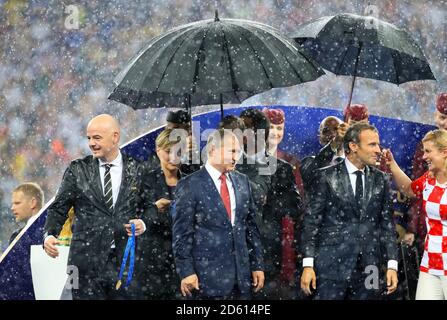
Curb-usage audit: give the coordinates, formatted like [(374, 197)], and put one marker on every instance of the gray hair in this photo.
[(217, 137)]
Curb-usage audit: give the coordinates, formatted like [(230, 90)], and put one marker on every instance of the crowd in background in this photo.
[(53, 78)]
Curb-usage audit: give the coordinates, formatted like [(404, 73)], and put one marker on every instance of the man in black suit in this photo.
[(330, 136), (105, 190), (349, 233), (276, 196)]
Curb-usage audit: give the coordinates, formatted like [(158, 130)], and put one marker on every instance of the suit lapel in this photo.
[(97, 188), (126, 175), (346, 182), (237, 194), (369, 183), (214, 194)]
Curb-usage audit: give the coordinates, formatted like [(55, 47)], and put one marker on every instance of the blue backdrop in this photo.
[(301, 139)]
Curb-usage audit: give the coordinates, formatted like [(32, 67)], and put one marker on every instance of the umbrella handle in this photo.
[(355, 72), (352, 90), (221, 108), (189, 110)]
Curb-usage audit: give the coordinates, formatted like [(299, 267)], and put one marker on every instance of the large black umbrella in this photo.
[(211, 62), (363, 46)]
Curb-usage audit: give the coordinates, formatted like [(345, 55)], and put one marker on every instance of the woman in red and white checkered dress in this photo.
[(432, 188)]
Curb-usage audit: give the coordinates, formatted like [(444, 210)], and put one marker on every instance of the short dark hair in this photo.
[(178, 117), (353, 134), (232, 122), (258, 119), (30, 190)]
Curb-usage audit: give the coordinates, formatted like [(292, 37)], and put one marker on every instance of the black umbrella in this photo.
[(212, 62), (363, 46)]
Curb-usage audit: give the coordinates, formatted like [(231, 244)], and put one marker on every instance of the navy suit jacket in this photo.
[(204, 241)]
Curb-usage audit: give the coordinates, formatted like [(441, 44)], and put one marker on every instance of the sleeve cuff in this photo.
[(392, 264), (308, 262)]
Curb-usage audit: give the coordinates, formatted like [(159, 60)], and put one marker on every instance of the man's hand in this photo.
[(50, 246), (139, 228), (338, 140), (391, 281), (163, 205), (188, 284), (408, 238), (307, 278), (258, 280)]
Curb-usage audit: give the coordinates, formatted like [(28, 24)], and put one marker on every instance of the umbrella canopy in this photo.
[(211, 62), (364, 46)]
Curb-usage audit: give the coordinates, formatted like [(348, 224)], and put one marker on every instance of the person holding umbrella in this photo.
[(431, 188)]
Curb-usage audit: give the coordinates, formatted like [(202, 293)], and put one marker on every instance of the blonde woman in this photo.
[(159, 279), (431, 188)]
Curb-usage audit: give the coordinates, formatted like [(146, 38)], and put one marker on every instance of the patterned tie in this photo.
[(108, 195), (225, 194)]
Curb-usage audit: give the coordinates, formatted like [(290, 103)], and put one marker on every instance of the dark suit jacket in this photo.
[(310, 165), (14, 235), (204, 241), (336, 230), (95, 225), (156, 243), (153, 163), (281, 198)]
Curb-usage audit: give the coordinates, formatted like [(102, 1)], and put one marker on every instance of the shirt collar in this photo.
[(31, 220), (214, 173), (351, 167), (117, 162)]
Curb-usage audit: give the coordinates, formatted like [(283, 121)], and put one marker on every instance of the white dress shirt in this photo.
[(116, 173), (352, 169), (215, 176)]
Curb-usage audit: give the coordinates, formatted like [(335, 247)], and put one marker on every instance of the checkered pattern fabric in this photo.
[(434, 196)]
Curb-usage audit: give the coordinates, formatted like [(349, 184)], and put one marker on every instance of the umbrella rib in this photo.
[(196, 70), (394, 64), (288, 61), (256, 55), (230, 61), (170, 60), (342, 60)]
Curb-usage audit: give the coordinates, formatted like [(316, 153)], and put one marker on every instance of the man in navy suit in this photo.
[(216, 242)]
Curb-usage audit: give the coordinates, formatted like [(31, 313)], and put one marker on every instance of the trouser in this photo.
[(101, 286), (235, 294), (431, 287), (353, 288)]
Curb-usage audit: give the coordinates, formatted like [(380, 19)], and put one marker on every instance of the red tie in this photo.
[(225, 194)]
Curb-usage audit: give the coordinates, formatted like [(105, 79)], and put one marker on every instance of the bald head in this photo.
[(328, 129), (103, 134), (105, 121)]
